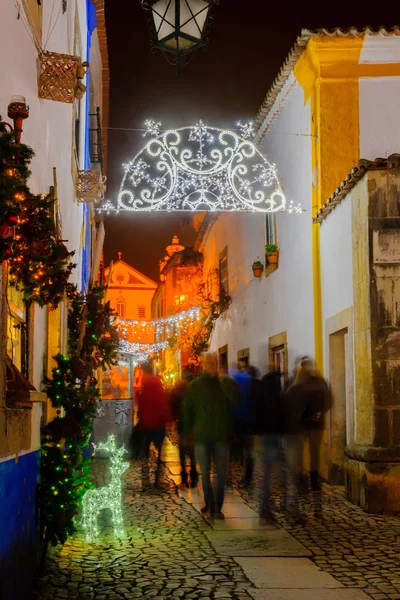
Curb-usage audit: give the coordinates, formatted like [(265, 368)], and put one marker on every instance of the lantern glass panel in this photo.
[(193, 15)]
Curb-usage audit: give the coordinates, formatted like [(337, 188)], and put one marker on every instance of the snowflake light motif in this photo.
[(247, 129), (200, 168), (152, 128)]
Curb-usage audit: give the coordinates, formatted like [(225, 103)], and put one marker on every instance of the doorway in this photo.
[(278, 359), (223, 358), (340, 430)]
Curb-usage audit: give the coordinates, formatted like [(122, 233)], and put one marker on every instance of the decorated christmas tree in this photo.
[(73, 390)]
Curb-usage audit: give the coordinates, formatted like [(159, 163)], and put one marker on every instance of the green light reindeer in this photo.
[(106, 497)]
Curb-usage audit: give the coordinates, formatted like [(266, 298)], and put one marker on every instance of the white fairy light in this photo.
[(179, 320), (151, 127), (200, 168), (110, 496), (138, 349), (247, 129)]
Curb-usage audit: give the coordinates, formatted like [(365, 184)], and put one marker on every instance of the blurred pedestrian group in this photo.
[(220, 414)]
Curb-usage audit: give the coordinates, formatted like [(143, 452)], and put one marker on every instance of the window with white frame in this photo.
[(121, 304)]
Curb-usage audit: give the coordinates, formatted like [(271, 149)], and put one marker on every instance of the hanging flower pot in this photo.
[(272, 253), (258, 268)]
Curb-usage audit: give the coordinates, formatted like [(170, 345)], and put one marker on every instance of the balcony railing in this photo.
[(95, 139)]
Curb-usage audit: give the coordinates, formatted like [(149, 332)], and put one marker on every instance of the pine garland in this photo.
[(38, 261), (14, 172), (39, 264), (65, 470)]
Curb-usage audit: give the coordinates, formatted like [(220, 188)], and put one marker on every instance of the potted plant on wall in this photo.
[(258, 268), (272, 253)]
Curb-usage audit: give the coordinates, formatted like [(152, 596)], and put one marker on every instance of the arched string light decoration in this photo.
[(200, 168), (166, 325)]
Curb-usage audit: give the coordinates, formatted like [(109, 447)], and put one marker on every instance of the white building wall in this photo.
[(283, 301), (337, 260), (336, 269), (379, 116), (49, 130)]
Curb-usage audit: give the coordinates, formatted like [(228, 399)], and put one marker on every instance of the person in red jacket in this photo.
[(153, 415)]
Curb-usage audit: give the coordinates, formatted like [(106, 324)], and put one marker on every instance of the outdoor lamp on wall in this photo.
[(18, 110), (179, 26)]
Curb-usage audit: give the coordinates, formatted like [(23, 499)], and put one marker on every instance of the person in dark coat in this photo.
[(243, 430), (208, 422), (269, 425), (186, 448), (307, 401)]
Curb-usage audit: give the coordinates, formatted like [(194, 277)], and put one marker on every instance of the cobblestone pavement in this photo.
[(360, 550), (165, 553)]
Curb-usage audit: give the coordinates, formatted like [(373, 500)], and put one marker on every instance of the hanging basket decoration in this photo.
[(60, 77), (90, 186)]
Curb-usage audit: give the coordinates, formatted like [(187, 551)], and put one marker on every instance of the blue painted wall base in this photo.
[(18, 526)]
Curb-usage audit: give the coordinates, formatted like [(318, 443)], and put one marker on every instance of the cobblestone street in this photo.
[(170, 551)]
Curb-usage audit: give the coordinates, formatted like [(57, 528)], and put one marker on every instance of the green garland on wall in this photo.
[(65, 466), (39, 262)]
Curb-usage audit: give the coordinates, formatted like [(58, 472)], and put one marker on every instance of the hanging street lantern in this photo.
[(179, 27)]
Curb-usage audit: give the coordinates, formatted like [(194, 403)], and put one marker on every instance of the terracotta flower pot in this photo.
[(257, 270), (273, 257)]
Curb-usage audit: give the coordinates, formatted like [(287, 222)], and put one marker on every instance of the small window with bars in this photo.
[(142, 312), (223, 271)]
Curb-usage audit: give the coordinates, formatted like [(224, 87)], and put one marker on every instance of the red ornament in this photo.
[(59, 412)]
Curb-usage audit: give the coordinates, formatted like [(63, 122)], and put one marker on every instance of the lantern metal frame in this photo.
[(180, 56)]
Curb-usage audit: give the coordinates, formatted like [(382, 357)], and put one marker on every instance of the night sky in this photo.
[(249, 41)]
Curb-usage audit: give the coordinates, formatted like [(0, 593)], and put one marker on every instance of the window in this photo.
[(270, 228), (121, 307), (243, 357), (16, 328), (120, 278), (142, 312), (223, 272)]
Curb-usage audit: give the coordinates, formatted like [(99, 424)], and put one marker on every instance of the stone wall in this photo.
[(373, 460)]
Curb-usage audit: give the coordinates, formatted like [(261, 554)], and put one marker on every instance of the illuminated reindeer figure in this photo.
[(106, 497)]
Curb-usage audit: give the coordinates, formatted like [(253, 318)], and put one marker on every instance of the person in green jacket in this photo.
[(208, 422)]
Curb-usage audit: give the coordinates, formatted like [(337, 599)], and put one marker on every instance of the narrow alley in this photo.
[(170, 551)]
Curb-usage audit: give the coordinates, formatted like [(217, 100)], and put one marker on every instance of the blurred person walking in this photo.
[(307, 401), (186, 447), (153, 415), (244, 419), (207, 421), (268, 424)]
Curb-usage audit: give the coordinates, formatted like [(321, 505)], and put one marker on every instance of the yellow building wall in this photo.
[(137, 294)]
